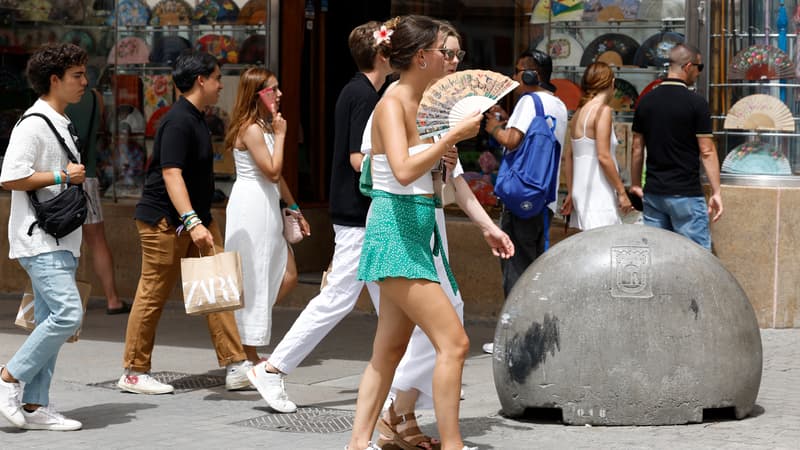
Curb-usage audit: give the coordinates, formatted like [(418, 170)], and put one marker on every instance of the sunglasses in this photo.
[(699, 66), (449, 53), (268, 89)]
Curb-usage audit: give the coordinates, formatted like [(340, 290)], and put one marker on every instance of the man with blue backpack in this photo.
[(527, 182)]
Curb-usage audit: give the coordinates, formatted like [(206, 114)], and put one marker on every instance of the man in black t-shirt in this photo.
[(674, 124), (348, 207), (174, 221)]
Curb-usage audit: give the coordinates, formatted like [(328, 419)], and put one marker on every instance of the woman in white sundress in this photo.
[(254, 226), (595, 193)]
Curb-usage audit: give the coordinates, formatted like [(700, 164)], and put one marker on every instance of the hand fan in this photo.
[(759, 112), (761, 62), (756, 158), (456, 96)]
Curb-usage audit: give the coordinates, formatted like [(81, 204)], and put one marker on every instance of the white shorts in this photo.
[(95, 212)]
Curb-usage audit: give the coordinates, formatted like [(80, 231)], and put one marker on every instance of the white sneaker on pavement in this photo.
[(236, 375), (142, 383), (488, 347), (46, 418), (10, 403), (271, 388)]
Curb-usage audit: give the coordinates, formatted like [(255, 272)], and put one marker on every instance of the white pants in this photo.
[(327, 309), (416, 368)]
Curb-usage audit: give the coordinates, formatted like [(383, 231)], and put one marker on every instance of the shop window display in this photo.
[(131, 46)]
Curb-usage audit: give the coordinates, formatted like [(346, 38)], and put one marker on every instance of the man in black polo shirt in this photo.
[(174, 221), (348, 208), (675, 125)]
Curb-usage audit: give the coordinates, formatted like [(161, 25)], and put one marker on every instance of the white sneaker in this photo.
[(270, 386), (370, 446), (10, 403), (142, 383), (236, 375), (488, 347), (46, 418)]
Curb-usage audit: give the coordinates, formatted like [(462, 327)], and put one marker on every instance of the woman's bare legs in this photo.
[(289, 282), (404, 303)]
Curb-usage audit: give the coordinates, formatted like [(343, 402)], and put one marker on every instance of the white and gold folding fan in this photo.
[(759, 112), (761, 62), (456, 96)]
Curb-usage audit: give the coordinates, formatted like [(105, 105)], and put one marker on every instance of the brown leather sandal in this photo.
[(408, 439)]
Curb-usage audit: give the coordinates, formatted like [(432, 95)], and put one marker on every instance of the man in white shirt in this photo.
[(532, 71), (36, 161)]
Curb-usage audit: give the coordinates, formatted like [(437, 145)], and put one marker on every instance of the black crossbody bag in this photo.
[(66, 212)]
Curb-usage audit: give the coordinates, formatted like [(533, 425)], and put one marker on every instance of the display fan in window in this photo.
[(34, 10), (170, 13), (132, 13), (67, 11), (759, 112), (613, 49), (254, 12), (761, 62), (215, 11), (756, 158), (458, 95), (545, 11), (221, 46)]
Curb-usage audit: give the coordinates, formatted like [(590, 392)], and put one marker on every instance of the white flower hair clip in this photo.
[(382, 35)]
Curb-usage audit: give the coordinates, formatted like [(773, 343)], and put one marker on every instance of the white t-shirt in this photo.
[(34, 148), (525, 111)]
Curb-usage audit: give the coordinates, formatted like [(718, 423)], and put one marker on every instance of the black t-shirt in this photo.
[(353, 107), (671, 118), (183, 141)]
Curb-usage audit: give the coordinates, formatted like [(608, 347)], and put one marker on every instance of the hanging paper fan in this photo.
[(756, 158), (759, 112), (458, 95), (761, 62)]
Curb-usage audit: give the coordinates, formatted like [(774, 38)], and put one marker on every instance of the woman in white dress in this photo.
[(595, 193), (254, 226)]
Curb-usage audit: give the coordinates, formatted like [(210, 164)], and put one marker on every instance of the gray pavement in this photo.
[(210, 417)]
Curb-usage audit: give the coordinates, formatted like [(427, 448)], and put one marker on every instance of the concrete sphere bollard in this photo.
[(627, 325)]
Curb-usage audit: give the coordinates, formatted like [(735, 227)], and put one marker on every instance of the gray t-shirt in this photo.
[(34, 148)]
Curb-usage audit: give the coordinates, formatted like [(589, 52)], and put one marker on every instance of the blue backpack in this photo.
[(526, 180)]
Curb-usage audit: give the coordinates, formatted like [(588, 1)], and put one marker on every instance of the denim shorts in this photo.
[(687, 216)]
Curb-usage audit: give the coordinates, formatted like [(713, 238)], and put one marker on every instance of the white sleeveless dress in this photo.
[(254, 228), (594, 201)]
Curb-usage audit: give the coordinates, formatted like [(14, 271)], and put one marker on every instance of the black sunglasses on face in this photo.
[(699, 66)]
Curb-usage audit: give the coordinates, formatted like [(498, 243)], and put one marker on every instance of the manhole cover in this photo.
[(305, 420), (182, 382)]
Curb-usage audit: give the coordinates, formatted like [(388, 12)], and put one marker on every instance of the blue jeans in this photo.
[(58, 311), (687, 216)]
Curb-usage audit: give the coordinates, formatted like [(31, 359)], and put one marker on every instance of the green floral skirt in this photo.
[(397, 243)]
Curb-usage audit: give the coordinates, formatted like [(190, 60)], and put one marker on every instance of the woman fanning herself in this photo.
[(255, 227), (594, 188), (397, 252)]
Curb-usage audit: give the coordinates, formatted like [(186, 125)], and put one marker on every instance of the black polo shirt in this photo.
[(183, 140), (671, 118), (353, 107)]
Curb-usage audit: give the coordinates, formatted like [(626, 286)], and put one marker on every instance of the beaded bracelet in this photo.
[(193, 224), (187, 214)]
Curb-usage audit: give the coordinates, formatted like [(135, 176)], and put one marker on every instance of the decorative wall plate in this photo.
[(223, 47), (759, 112), (254, 12), (611, 48), (132, 13), (129, 50), (564, 49), (458, 95), (654, 51), (171, 12), (569, 92), (761, 62)]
